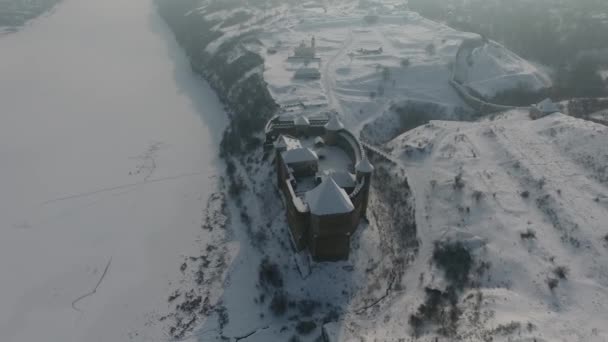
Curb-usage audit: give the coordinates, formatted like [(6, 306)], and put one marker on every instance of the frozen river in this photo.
[(108, 151)]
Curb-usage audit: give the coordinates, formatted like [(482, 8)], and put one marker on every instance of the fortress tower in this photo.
[(364, 170), (332, 127)]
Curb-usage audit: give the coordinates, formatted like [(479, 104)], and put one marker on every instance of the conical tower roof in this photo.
[(334, 124), (280, 142), (328, 199), (364, 166)]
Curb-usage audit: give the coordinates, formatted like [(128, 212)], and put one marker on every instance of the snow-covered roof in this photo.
[(344, 179), (328, 199), (319, 141), (364, 166), (334, 124), (299, 155), (287, 143), (547, 106), (301, 121)]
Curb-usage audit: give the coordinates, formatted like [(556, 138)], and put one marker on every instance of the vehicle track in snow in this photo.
[(328, 80)]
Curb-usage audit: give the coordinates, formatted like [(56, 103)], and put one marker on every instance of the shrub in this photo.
[(307, 307), (439, 308), (552, 283), (306, 327), (477, 195), (222, 316), (508, 329), (236, 186), (528, 234), (525, 194), (278, 305), (432, 306), (430, 49), (561, 272), (405, 62), (458, 182), (270, 274), (455, 260), (260, 237), (413, 114), (417, 324)]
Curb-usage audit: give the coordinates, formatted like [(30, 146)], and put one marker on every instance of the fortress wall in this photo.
[(299, 222)]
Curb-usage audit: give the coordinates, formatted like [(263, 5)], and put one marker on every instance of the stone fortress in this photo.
[(324, 177)]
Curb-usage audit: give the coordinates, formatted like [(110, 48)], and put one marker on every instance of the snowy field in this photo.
[(108, 146), (533, 200), (363, 83), (360, 85)]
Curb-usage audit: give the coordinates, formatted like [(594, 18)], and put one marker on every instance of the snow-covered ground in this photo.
[(108, 145), (544, 177), (360, 85)]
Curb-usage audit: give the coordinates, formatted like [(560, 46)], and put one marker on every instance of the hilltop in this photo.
[(528, 199)]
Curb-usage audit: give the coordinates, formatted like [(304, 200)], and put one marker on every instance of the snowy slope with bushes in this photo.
[(527, 200)]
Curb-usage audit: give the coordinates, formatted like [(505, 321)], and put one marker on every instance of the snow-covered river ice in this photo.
[(108, 151)]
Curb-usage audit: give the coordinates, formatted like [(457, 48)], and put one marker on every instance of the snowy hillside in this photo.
[(489, 68), (528, 199)]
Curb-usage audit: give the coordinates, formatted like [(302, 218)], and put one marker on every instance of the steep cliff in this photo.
[(227, 59)]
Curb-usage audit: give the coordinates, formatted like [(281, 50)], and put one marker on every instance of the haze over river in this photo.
[(108, 151)]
